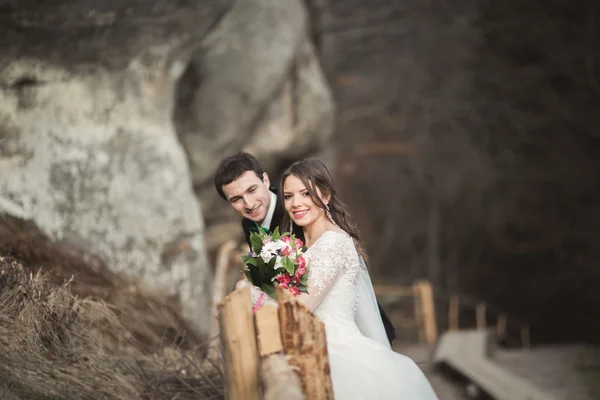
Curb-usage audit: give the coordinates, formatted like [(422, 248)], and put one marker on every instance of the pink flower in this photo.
[(299, 244), (297, 278), (286, 239), (283, 279), (286, 251), (283, 285), (301, 262), (300, 271), (294, 290)]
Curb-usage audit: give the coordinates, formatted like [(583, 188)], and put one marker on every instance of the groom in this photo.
[(241, 181)]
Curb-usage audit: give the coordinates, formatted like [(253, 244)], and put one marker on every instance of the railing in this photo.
[(424, 298)]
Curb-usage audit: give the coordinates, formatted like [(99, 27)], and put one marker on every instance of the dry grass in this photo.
[(93, 336), (149, 318)]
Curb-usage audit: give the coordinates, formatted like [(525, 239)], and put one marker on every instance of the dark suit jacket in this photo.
[(250, 226)]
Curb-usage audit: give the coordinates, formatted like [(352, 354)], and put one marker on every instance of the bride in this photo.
[(340, 293)]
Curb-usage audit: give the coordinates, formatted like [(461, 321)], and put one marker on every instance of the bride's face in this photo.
[(299, 204)]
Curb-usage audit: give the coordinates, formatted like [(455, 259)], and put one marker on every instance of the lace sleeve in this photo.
[(331, 258)]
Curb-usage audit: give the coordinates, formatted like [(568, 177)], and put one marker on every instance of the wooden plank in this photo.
[(525, 337), (279, 380), (305, 345), (220, 288), (425, 292), (419, 312), (501, 325), (467, 352), (238, 341), (480, 315), (454, 311), (267, 331)]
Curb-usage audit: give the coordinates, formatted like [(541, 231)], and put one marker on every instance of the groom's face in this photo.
[(249, 196)]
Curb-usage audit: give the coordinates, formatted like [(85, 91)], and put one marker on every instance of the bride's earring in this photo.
[(329, 216), (291, 226)]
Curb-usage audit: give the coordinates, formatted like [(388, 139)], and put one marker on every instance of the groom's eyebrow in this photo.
[(235, 198)]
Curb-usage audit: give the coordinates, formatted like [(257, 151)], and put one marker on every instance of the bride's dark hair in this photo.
[(314, 174)]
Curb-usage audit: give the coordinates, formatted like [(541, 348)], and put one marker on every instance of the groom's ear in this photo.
[(265, 179)]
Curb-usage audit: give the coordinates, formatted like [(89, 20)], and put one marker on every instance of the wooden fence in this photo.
[(279, 352), (424, 299)]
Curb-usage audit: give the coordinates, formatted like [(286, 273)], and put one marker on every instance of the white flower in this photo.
[(270, 249), (266, 255), (278, 263)]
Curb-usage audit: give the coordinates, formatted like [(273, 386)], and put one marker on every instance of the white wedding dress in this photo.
[(361, 368)]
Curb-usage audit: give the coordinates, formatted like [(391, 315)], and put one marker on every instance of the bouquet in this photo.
[(276, 257)]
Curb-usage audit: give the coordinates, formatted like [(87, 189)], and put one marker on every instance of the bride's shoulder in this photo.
[(333, 237)]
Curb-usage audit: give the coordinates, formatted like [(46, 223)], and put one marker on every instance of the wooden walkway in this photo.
[(468, 353)]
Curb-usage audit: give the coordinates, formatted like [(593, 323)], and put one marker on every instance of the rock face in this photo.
[(88, 147)]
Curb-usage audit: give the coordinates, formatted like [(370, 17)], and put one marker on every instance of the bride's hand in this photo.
[(241, 283)]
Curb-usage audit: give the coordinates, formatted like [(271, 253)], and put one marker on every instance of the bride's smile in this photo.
[(299, 214)]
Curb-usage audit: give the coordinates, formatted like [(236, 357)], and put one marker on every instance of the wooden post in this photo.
[(425, 293), (454, 311), (268, 334), (239, 346), (501, 325), (480, 313), (279, 380), (418, 308), (525, 337), (219, 292), (305, 344)]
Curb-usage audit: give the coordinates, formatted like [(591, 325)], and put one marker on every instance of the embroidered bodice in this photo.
[(333, 273)]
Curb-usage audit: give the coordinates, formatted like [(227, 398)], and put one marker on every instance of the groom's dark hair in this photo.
[(233, 167)]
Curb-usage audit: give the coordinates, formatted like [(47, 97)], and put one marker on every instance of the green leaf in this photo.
[(272, 262), (269, 290), (253, 276), (304, 278), (262, 269), (276, 235), (249, 276), (253, 261), (288, 265), (256, 242), (303, 289), (271, 273)]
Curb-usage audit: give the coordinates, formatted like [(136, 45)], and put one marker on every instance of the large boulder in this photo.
[(88, 150)]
